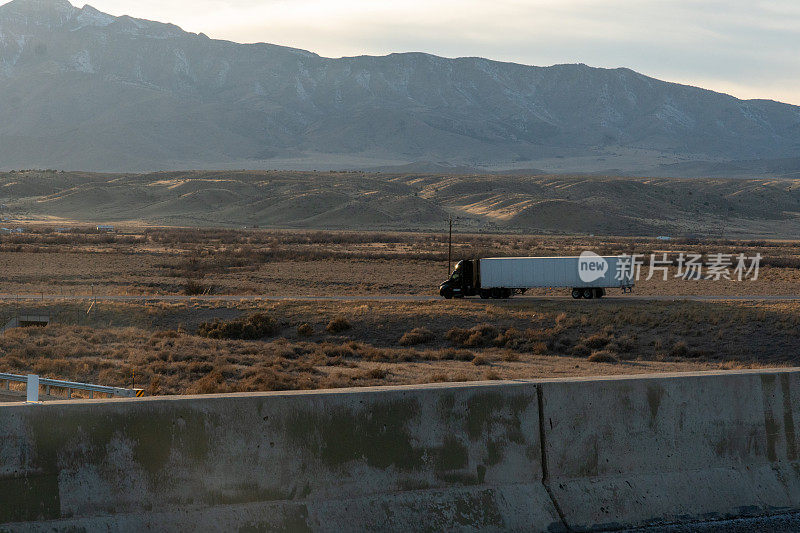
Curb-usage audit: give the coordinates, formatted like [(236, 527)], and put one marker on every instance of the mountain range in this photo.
[(81, 89)]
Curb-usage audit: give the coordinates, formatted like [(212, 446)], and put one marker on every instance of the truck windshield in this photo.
[(456, 275)]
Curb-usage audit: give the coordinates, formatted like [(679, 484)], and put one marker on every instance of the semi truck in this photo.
[(587, 276)]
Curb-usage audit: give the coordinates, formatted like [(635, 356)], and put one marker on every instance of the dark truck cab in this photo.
[(466, 281)]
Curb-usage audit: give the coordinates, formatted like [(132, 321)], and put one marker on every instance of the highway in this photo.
[(781, 523), (382, 298)]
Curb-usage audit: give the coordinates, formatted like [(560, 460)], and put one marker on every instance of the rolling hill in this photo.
[(370, 201)]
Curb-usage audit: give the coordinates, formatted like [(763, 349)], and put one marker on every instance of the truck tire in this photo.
[(588, 294), (497, 294), (484, 293), (507, 293), (577, 293), (599, 293), (447, 293)]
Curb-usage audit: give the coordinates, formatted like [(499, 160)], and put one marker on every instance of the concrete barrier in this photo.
[(625, 452), (441, 457), (537, 455)]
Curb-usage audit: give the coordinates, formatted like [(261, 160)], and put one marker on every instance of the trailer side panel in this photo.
[(529, 272)]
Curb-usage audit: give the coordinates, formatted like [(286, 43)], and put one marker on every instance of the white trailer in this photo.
[(500, 277)]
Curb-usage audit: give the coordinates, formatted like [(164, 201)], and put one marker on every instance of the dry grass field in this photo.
[(203, 347), (149, 261), (209, 346)]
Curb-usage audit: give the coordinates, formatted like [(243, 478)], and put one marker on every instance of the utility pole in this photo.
[(450, 245)]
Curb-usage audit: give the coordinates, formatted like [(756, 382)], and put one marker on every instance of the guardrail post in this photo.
[(32, 388)]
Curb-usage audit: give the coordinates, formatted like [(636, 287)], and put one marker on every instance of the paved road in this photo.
[(380, 298), (785, 523)]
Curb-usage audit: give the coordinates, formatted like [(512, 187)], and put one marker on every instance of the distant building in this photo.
[(663, 238), (105, 228)]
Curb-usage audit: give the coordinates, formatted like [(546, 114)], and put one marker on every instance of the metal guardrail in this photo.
[(70, 386)]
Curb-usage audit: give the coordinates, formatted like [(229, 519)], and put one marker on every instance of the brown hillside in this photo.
[(356, 200)]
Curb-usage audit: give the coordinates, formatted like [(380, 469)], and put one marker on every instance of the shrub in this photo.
[(457, 335), (371, 353), (596, 341), (154, 387), (561, 344), (165, 334), (305, 329), (511, 338), (195, 288), (626, 343), (479, 360), (539, 348), (375, 373), (285, 352), (679, 349), (416, 336), (209, 384), (200, 367), (342, 350), (338, 325), (510, 357), (255, 326), (477, 336), (451, 354), (603, 356), (580, 350)]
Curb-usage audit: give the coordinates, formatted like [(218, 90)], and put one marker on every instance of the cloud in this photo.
[(747, 48)]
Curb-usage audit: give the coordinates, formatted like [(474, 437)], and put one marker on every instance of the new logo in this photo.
[(591, 267)]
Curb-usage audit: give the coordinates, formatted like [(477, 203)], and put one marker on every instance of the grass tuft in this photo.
[(338, 325)]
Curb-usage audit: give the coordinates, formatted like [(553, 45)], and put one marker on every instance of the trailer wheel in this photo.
[(497, 294), (484, 293), (576, 293), (507, 293), (598, 293), (447, 294), (588, 294)]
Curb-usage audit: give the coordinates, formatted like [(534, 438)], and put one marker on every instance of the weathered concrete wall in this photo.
[(438, 456), (626, 452), (617, 452)]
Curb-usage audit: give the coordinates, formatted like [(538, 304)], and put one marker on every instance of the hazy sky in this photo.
[(750, 49)]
